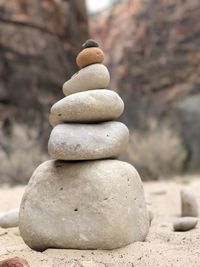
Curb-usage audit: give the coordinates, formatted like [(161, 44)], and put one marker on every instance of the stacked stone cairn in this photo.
[(85, 198)]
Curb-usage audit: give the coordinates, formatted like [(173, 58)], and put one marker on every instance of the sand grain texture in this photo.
[(163, 247)]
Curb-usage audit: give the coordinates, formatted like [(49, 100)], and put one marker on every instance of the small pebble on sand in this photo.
[(150, 216), (10, 218), (189, 206), (185, 223)]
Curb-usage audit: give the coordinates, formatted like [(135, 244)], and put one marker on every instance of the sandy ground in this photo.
[(163, 247)]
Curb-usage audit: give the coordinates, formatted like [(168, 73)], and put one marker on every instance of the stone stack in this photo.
[(85, 198)]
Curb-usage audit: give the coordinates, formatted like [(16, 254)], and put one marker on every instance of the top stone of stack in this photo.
[(90, 43)]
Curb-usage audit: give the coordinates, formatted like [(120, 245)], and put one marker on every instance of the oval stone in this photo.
[(88, 56), (88, 141), (83, 205), (88, 106), (10, 218), (95, 76), (189, 205), (185, 223)]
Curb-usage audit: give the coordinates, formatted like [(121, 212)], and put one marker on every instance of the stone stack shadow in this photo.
[(85, 198)]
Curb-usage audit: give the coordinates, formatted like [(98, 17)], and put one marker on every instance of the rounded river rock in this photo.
[(83, 205), (185, 223), (95, 76), (189, 205), (88, 106), (73, 141)]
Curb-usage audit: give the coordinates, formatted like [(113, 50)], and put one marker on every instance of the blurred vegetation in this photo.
[(20, 154), (158, 152)]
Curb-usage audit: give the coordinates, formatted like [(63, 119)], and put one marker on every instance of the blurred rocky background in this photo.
[(153, 53), (39, 40)]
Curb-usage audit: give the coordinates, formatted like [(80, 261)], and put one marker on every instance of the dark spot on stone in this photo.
[(106, 198), (61, 188), (90, 43), (59, 163), (76, 209), (59, 114), (77, 147)]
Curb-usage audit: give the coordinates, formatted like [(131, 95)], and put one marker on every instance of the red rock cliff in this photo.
[(153, 50)]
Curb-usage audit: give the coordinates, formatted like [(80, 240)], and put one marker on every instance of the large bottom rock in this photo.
[(83, 205)]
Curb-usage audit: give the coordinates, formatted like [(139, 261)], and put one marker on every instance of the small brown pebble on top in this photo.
[(90, 55), (90, 43)]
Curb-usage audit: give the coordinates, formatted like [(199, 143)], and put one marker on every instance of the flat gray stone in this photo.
[(72, 141), (95, 76), (83, 205), (88, 106), (185, 223)]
